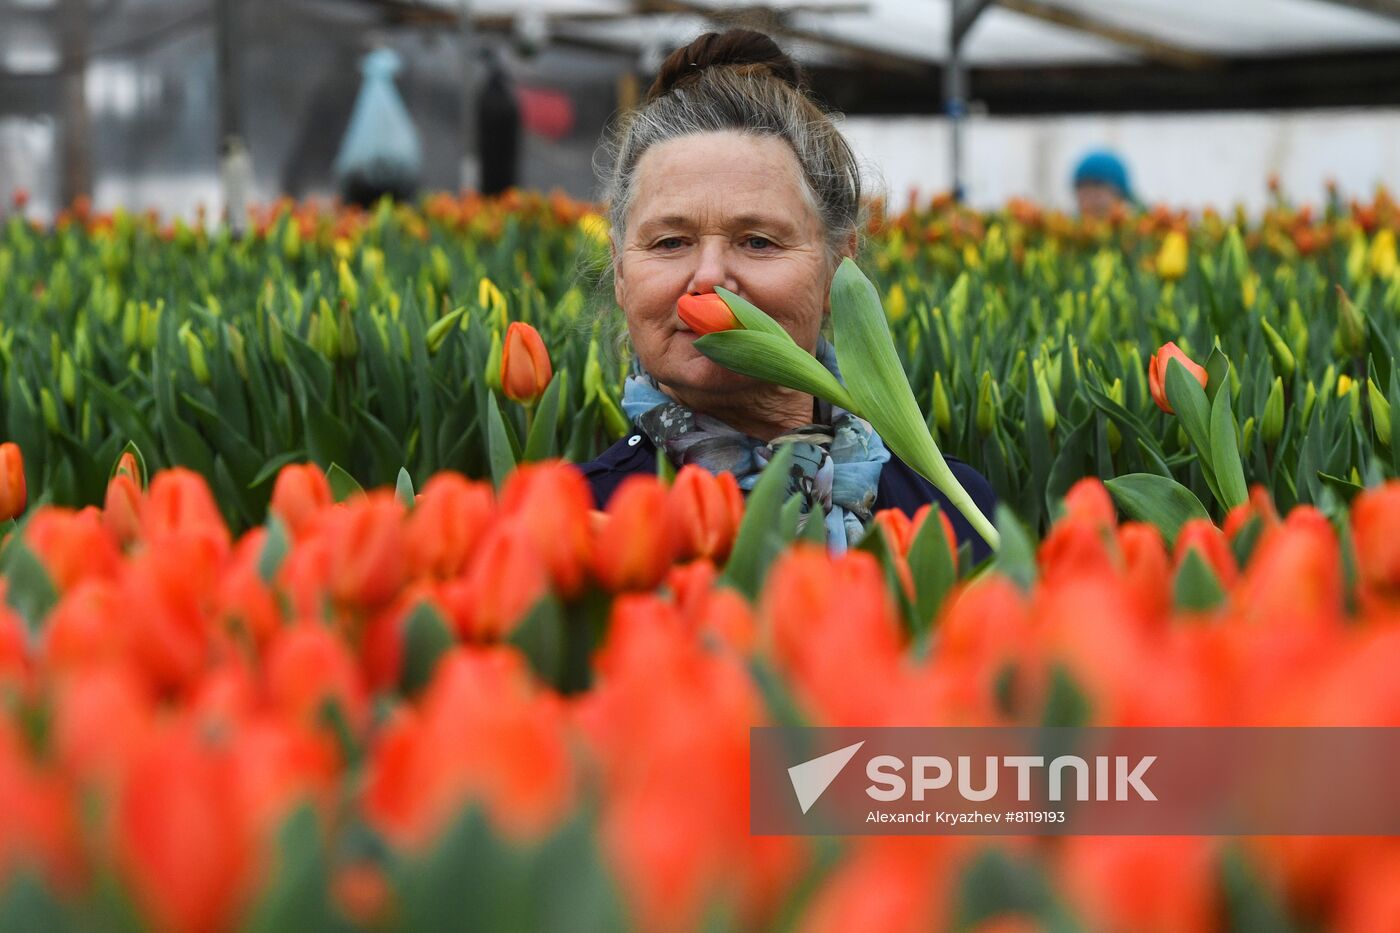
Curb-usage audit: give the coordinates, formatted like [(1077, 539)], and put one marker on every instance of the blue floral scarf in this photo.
[(837, 459)]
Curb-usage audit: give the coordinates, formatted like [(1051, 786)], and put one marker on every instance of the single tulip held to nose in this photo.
[(877, 388), (706, 314)]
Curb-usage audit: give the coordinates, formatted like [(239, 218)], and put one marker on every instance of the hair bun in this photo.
[(739, 48)]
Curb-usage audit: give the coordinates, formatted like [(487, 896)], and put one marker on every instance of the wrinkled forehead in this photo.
[(719, 177)]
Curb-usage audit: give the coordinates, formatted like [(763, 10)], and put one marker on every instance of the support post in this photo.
[(76, 178)]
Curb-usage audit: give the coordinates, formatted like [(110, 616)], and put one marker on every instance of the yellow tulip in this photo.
[(1171, 259)]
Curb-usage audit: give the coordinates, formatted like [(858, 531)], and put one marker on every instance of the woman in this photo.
[(729, 175)]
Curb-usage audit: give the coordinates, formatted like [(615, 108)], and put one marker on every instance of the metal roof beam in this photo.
[(1390, 9), (1166, 53)]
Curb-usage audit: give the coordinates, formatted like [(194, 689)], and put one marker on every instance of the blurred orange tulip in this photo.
[(634, 544), (12, 490), (447, 524), (525, 366), (182, 844), (1374, 517), (121, 509), (1209, 543), (300, 494), (1157, 373), (366, 549), (704, 510)]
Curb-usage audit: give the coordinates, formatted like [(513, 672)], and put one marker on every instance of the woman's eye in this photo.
[(757, 242), (670, 242)]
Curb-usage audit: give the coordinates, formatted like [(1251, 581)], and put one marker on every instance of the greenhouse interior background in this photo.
[(128, 100)]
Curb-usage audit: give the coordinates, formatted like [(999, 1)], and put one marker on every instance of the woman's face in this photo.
[(718, 209)]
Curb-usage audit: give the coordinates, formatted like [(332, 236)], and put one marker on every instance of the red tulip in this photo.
[(182, 843), (446, 525), (12, 489), (1373, 523), (705, 510), (505, 580), (1157, 373), (706, 314), (632, 549), (367, 563), (300, 494), (525, 366), (1209, 543), (121, 509)]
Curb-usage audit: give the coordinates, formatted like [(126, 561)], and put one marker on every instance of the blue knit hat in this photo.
[(1106, 168)]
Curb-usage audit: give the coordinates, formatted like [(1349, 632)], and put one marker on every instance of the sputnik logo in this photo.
[(810, 779)]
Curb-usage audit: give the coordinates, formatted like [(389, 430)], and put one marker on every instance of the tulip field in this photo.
[(310, 623)]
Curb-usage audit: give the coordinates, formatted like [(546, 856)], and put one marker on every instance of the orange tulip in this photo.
[(308, 665), (181, 842), (632, 550), (505, 580), (706, 314), (367, 563), (553, 500), (1157, 373), (121, 509), (1373, 522), (300, 494), (525, 366), (73, 546), (12, 489), (446, 524), (1209, 542), (705, 510)]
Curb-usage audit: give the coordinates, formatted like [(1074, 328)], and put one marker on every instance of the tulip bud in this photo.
[(1284, 361), (67, 378), (131, 323), (349, 288), (1380, 412), (236, 348), (1309, 399), (13, 496), (1047, 401), (1344, 385), (1115, 436), (194, 348), (121, 508), (706, 314), (1157, 373), (525, 367), (276, 342), (1271, 427), (986, 408), (1351, 325), (1172, 257), (49, 408), (896, 303), (347, 338), (1382, 257), (942, 409)]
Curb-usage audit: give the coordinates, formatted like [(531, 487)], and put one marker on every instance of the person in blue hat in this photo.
[(1101, 184)]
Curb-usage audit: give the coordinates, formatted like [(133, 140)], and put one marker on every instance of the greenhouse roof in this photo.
[(1007, 33)]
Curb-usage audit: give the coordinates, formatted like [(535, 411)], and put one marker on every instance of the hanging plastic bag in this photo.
[(380, 153)]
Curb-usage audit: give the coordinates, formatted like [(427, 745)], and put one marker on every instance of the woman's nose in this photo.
[(712, 267)]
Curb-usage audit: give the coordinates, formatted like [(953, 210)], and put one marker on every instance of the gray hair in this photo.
[(754, 101)]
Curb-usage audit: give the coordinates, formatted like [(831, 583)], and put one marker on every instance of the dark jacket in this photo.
[(900, 487)]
